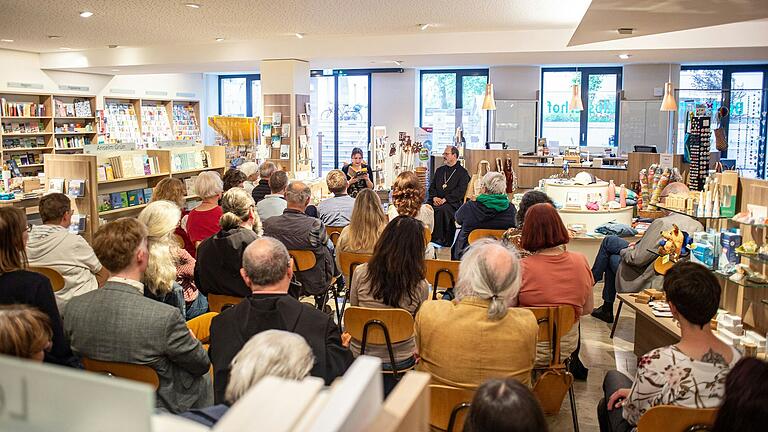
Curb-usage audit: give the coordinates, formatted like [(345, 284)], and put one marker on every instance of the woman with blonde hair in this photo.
[(25, 332), (408, 196), (367, 223), (220, 257), (169, 277), (173, 190), (203, 220)]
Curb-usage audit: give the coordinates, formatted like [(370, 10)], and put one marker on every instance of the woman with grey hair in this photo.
[(275, 353), (465, 342), (203, 220), (491, 210)]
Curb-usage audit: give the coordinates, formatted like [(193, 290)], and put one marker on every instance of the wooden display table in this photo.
[(650, 331)]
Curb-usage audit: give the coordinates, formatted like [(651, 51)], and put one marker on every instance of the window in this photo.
[(597, 125), (339, 117), (454, 98), (741, 89), (240, 95)]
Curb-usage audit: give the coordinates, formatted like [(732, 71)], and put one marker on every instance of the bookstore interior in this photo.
[(620, 115)]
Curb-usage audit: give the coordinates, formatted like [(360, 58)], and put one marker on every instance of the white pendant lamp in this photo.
[(489, 102), (669, 103), (576, 104)]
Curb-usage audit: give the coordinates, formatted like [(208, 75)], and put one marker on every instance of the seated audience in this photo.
[(52, 245), (297, 231), (117, 323), (465, 342), (394, 278), (274, 204), (491, 210), (233, 178), (514, 235), (267, 272), (251, 171), (364, 228), (408, 196), (19, 286), (504, 405), (219, 258), (25, 332), (172, 189), (262, 188), (274, 353), (691, 373), (203, 220), (170, 271), (337, 210), (553, 276), (746, 398), (628, 267)]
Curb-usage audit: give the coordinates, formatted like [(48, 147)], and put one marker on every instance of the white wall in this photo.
[(395, 101), (641, 79), (515, 82)]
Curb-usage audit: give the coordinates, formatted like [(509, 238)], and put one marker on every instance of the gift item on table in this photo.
[(728, 257)]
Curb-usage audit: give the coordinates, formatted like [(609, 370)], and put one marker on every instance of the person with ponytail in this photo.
[(465, 342), (220, 257)]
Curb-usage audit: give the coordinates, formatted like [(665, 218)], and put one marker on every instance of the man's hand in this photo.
[(345, 339), (617, 398), (438, 201)]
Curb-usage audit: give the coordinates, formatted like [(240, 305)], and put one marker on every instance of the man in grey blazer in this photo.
[(117, 323)]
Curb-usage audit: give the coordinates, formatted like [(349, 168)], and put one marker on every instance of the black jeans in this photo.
[(613, 420), (607, 263)]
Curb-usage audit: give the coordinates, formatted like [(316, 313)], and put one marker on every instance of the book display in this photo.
[(74, 123), (26, 131), (120, 121), (155, 123), (186, 126)]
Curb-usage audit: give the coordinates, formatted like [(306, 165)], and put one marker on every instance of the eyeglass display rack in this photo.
[(698, 145)]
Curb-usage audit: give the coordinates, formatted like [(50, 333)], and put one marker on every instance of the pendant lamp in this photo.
[(669, 103), (576, 104), (489, 102)]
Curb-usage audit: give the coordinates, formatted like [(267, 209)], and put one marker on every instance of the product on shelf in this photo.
[(190, 160), (119, 167), (123, 199), (21, 109), (155, 126), (70, 142), (22, 127), (120, 123), (73, 127), (185, 123), (76, 108), (27, 142)]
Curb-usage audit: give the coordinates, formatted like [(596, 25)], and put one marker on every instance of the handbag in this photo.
[(475, 187), (721, 141)]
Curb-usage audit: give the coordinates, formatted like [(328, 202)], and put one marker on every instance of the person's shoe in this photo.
[(604, 313), (577, 369)]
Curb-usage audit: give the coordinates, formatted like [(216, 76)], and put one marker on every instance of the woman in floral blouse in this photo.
[(690, 373)]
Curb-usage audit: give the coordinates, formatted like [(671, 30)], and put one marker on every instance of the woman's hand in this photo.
[(345, 339), (617, 398)]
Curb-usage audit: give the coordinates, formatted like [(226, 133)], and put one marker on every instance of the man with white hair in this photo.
[(262, 188), (267, 271), (275, 353), (251, 171), (491, 210)]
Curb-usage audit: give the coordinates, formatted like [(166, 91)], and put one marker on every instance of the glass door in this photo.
[(438, 107), (561, 126), (746, 123), (601, 116), (473, 118), (353, 116)]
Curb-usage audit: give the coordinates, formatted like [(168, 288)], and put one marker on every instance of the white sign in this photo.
[(666, 160), (105, 148)]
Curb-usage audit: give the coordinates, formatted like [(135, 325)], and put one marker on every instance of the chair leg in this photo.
[(336, 304), (573, 409), (616, 319)]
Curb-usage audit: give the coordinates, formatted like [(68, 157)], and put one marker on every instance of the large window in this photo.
[(597, 125), (741, 89), (454, 98), (340, 117), (240, 95)]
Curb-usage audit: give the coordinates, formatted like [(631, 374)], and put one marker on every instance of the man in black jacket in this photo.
[(267, 271), (446, 194), (262, 188)]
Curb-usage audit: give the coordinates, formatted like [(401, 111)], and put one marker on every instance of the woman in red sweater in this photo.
[(203, 220)]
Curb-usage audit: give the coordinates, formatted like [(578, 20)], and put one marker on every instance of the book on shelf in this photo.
[(110, 173), (130, 166), (101, 173), (148, 195), (26, 142), (77, 108), (189, 183), (21, 109), (124, 199), (22, 127), (56, 185), (185, 161), (14, 168), (116, 201), (104, 202), (135, 197), (76, 188)]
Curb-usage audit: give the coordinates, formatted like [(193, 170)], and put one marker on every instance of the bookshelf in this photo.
[(26, 132), (75, 123)]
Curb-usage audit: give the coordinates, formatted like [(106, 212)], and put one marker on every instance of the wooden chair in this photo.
[(57, 280), (129, 371), (218, 302), (333, 233), (677, 419), (436, 268), (449, 407), (386, 326), (201, 327), (349, 261), (554, 323), (427, 235), (303, 260), (477, 234), (407, 407)]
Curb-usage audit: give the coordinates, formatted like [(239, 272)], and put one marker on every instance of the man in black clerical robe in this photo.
[(446, 194)]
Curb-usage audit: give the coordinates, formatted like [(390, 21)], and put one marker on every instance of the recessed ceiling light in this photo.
[(192, 5), (219, 39), (6, 40), (86, 14), (65, 48), (624, 56), (54, 37), (299, 35), (423, 27)]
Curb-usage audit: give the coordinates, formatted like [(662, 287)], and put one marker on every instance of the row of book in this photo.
[(76, 108), (119, 167), (75, 188), (191, 160), (22, 127), (23, 159), (26, 142), (73, 127), (70, 142), (21, 109), (185, 123), (118, 200), (155, 125)]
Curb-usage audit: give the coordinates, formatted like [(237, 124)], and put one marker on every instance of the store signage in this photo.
[(74, 88), (156, 93), (122, 91), (105, 148), (185, 95), (24, 85)]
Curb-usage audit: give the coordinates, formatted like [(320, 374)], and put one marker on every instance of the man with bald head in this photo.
[(267, 271), (297, 231)]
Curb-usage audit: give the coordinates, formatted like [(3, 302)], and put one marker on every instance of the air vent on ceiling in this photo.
[(625, 30)]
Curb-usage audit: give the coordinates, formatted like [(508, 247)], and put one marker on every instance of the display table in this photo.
[(592, 219), (650, 331), (529, 174), (559, 192)]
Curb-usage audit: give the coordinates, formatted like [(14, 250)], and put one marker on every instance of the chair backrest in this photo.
[(477, 234), (216, 302), (349, 261), (441, 274), (57, 280), (427, 235), (302, 259), (554, 322), (333, 233), (201, 326), (129, 371), (398, 323), (677, 419), (449, 407)]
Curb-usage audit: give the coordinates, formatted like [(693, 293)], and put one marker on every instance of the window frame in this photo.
[(460, 74), (584, 114), (249, 78)]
